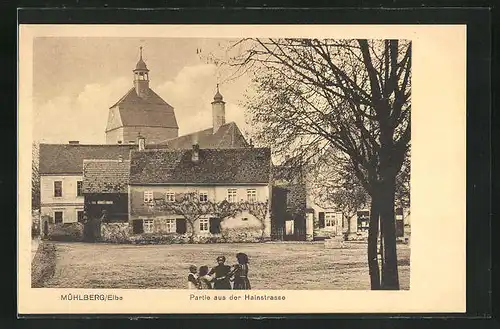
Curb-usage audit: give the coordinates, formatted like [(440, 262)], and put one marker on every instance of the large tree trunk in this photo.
[(191, 236), (390, 279), (372, 245)]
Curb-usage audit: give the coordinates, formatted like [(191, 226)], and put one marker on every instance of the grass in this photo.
[(43, 264), (272, 265)]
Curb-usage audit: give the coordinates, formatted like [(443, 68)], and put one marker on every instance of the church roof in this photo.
[(228, 136), (215, 166), (150, 110)]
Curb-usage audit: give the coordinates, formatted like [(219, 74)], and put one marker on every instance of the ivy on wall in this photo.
[(191, 208)]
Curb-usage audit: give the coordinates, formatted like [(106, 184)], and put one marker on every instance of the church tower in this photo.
[(141, 77), (141, 112), (218, 111)]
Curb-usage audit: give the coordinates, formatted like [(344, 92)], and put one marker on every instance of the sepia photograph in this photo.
[(184, 163), (211, 164)]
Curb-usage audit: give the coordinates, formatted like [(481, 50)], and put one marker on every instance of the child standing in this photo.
[(192, 278), (240, 273), (204, 280)]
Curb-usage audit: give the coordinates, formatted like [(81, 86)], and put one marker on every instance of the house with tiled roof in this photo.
[(141, 111), (140, 115), (234, 175), (61, 177), (105, 188)]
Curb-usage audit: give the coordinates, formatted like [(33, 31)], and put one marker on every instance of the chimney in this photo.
[(74, 142), (195, 157), (218, 111), (142, 142)]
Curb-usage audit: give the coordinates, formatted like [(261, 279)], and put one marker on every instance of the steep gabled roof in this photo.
[(68, 159), (150, 110), (228, 136), (215, 166), (105, 176)]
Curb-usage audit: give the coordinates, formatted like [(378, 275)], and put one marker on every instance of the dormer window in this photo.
[(195, 156)]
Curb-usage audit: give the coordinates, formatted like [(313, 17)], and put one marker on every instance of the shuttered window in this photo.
[(204, 225)]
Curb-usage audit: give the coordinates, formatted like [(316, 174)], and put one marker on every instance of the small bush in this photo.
[(43, 265), (241, 236), (68, 232), (115, 232)]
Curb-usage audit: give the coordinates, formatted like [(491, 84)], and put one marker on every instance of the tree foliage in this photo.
[(351, 96), (35, 177)]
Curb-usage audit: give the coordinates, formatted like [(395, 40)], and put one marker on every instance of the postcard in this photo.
[(292, 168)]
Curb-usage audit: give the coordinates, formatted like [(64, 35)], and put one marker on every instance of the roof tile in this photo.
[(68, 159), (215, 166), (105, 176)]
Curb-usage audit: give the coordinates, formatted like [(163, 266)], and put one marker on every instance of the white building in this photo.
[(61, 177)]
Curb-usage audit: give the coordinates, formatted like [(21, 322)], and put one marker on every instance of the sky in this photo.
[(77, 79)]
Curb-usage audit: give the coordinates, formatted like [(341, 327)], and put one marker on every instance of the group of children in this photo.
[(221, 276)]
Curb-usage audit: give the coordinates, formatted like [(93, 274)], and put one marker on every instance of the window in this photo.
[(79, 215), (251, 195), (148, 196), (148, 225), (244, 219), (79, 190), (203, 225), (231, 195), (203, 196), (170, 226), (58, 217), (214, 225), (58, 189), (330, 219), (170, 197)]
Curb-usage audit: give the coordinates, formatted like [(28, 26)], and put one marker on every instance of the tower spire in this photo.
[(141, 76)]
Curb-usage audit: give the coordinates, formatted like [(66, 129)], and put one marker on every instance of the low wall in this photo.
[(43, 265), (122, 233)]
